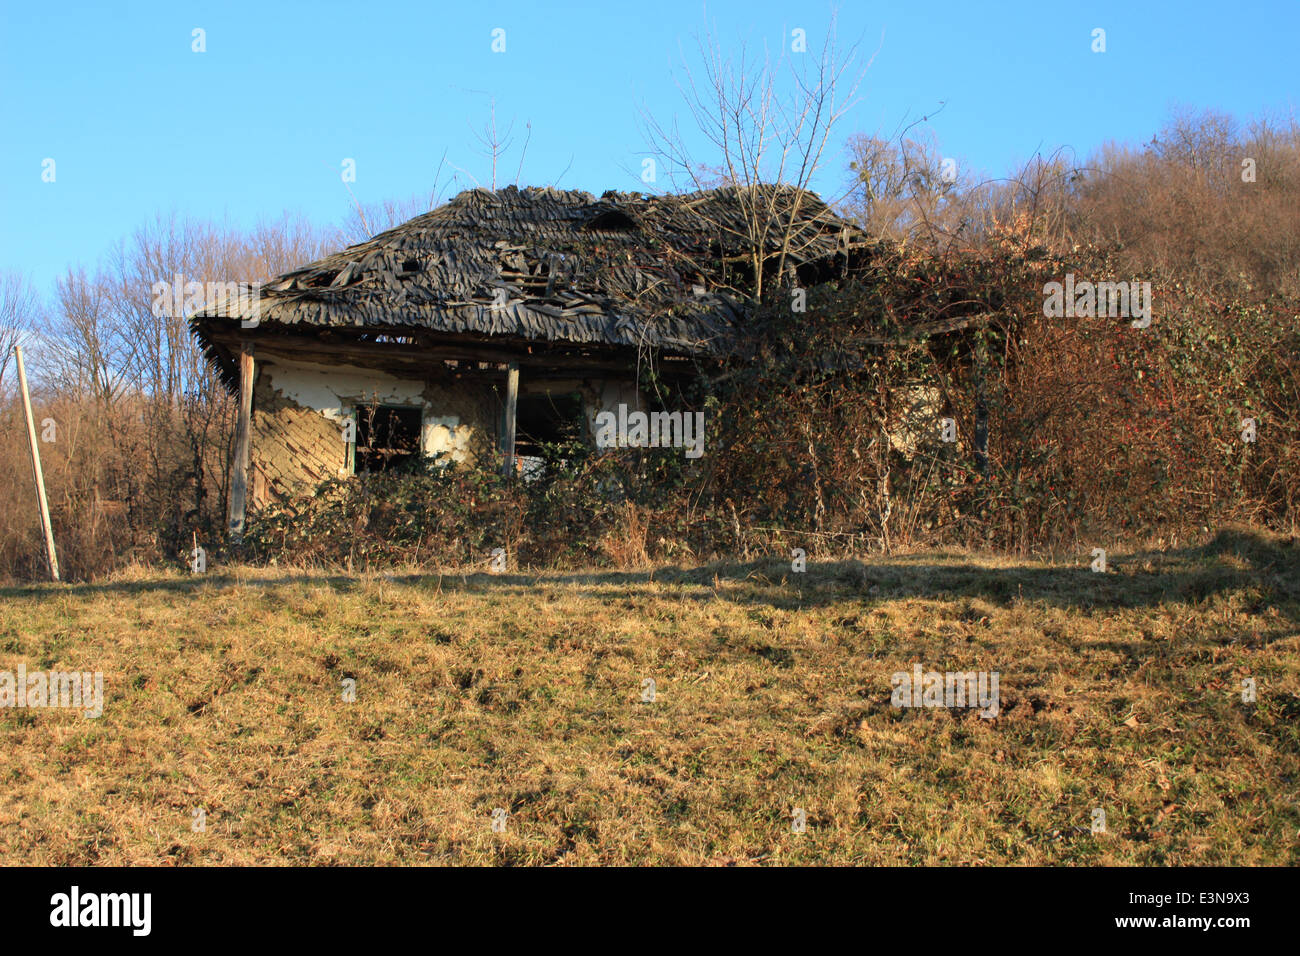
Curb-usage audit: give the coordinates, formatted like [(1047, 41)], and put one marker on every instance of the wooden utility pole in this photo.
[(243, 437), (508, 432), (36, 468)]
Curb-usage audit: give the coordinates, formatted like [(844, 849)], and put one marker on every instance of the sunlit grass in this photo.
[(1120, 691)]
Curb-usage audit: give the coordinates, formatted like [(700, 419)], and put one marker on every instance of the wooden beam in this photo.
[(243, 437), (508, 432), (431, 349), (51, 557)]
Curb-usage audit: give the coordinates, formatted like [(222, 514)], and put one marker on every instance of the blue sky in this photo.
[(139, 124)]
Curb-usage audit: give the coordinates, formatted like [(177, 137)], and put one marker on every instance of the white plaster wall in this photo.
[(335, 390), (917, 419)]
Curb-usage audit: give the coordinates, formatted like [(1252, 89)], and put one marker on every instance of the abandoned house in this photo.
[(493, 324)]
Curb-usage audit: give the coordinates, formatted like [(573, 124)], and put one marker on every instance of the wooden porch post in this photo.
[(243, 437), (508, 432)]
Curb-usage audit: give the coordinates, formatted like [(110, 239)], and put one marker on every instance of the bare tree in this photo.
[(496, 143), (82, 349), (366, 220), (767, 122), (903, 187), (19, 312)]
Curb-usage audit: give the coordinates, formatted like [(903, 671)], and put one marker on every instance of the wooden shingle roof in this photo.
[(559, 266)]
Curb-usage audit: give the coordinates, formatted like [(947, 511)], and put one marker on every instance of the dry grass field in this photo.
[(523, 692)]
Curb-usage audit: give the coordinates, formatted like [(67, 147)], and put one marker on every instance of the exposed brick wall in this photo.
[(293, 448)]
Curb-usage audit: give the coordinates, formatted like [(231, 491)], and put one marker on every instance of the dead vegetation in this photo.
[(524, 692)]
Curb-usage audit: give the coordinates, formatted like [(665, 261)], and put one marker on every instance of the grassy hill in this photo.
[(1120, 691)]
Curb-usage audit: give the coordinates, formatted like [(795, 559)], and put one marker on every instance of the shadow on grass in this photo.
[(1265, 569)]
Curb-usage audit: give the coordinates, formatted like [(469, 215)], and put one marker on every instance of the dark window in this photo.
[(548, 419), (388, 437)]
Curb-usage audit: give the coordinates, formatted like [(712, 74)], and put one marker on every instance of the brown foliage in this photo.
[(1097, 430)]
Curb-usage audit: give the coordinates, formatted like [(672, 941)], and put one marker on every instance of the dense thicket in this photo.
[(1097, 431)]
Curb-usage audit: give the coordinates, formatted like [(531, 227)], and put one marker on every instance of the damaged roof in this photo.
[(548, 265)]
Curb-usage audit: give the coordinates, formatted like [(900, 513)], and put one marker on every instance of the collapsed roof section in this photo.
[(557, 267)]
